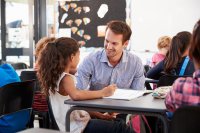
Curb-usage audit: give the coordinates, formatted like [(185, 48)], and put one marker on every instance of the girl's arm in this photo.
[(69, 87)]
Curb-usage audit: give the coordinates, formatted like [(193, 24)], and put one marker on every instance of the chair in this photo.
[(30, 75), (146, 69), (186, 120), (147, 84), (19, 65), (53, 124), (16, 98), (40, 107), (167, 80)]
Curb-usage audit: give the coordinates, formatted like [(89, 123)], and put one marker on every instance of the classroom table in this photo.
[(144, 105)]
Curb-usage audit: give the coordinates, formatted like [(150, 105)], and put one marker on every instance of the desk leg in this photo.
[(164, 120), (67, 119)]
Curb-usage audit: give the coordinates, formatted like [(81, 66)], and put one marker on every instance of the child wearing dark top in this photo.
[(175, 58)]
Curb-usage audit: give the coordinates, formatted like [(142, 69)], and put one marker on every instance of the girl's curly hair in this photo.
[(53, 60)]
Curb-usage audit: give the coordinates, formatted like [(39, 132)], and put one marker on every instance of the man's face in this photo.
[(113, 44)]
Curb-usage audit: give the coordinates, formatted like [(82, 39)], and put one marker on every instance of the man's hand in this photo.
[(102, 116)]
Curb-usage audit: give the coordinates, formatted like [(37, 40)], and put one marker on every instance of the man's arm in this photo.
[(84, 73), (139, 79), (99, 115)]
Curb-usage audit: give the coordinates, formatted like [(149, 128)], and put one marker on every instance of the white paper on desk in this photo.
[(126, 94)]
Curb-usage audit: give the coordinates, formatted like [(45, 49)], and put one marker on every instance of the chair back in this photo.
[(16, 96), (19, 65), (146, 69), (53, 124), (167, 80), (186, 120), (30, 75)]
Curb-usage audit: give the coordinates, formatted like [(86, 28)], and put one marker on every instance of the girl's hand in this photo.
[(109, 90)]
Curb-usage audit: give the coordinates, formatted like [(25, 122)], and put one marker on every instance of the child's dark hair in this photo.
[(179, 45), (53, 60), (195, 43)]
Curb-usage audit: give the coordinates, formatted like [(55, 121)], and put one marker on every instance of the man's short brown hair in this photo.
[(120, 27)]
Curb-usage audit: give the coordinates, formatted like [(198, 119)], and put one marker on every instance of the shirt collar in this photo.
[(104, 57), (196, 74)]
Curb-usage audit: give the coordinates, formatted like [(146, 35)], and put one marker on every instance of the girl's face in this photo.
[(75, 60)]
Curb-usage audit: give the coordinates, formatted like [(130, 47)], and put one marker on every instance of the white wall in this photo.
[(153, 18)]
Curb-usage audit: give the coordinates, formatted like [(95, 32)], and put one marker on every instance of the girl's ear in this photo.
[(72, 57)]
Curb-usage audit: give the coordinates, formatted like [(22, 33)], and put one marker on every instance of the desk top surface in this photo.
[(143, 103)]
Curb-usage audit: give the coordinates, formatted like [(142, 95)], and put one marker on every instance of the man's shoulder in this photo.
[(95, 54), (132, 56)]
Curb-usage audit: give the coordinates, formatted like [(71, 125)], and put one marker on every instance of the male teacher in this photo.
[(113, 64)]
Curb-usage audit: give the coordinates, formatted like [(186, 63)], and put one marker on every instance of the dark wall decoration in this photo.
[(85, 17)]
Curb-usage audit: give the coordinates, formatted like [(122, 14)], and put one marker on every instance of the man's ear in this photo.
[(125, 44)]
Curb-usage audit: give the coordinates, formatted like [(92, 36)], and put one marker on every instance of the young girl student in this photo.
[(55, 62)]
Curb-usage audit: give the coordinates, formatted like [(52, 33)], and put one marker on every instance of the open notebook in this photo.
[(126, 94)]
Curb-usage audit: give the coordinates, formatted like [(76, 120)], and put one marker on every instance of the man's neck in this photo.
[(115, 60)]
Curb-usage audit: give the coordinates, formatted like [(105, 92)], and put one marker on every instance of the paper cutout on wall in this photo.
[(86, 9), (62, 3), (78, 10), (78, 22), (67, 6), (69, 23), (81, 43), (101, 30), (65, 15), (86, 21), (102, 10), (74, 29), (87, 18), (87, 37), (64, 32), (80, 33), (73, 5), (64, 6)]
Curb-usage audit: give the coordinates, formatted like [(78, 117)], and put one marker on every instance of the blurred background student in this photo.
[(176, 61), (186, 91), (163, 47)]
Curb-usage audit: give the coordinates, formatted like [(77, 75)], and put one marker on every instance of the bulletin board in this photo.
[(87, 19)]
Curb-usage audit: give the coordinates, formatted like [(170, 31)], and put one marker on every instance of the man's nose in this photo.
[(109, 46)]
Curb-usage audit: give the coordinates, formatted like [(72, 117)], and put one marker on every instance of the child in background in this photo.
[(55, 63), (176, 61), (39, 102), (163, 47), (186, 91), (41, 44)]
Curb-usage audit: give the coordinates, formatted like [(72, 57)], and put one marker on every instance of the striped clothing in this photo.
[(185, 91), (96, 72)]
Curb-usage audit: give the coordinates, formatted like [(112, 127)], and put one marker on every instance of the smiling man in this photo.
[(113, 64)]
